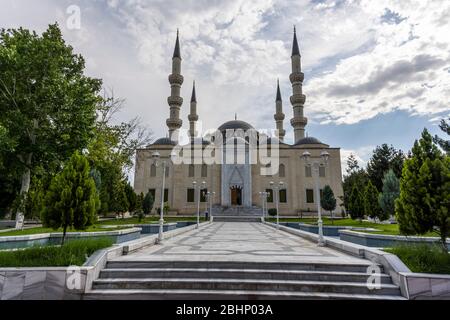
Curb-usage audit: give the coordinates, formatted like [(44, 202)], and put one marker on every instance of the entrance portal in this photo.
[(236, 196)]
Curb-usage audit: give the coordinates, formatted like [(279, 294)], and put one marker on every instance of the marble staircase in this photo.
[(238, 280), (237, 214)]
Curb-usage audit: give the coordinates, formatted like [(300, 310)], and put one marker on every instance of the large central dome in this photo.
[(234, 125)]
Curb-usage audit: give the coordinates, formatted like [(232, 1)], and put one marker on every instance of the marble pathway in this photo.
[(240, 241)]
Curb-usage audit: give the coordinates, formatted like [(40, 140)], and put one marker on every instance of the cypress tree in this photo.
[(423, 204), (391, 191), (72, 198), (356, 204), (371, 205), (328, 201)]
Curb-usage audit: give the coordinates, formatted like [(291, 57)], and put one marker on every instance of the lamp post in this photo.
[(198, 189), (209, 198), (263, 196), (277, 189), (156, 161), (315, 168)]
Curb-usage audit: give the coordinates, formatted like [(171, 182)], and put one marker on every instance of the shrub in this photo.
[(74, 252), (272, 212), (423, 258)]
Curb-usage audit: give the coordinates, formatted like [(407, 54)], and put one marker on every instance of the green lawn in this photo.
[(423, 258), (37, 230), (73, 252), (388, 229), (153, 219)]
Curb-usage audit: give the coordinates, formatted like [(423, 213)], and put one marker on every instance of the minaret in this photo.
[(298, 122), (175, 100), (193, 117), (279, 115)]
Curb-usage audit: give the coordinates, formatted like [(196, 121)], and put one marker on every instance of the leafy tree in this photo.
[(119, 202), (71, 200), (272, 212), (356, 204), (423, 204), (384, 158), (148, 202), (46, 102), (371, 205), (35, 199), (328, 201), (354, 177), (112, 149), (444, 144), (131, 197), (391, 191)]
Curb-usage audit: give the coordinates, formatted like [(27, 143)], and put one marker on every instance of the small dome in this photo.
[(235, 124), (308, 140), (164, 141)]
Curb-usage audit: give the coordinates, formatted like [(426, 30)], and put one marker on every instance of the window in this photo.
[(203, 193), (270, 196), (282, 171), (321, 172), (166, 195), (167, 172), (308, 172), (321, 193), (153, 170), (191, 171), (309, 196), (204, 170), (190, 195), (283, 196)]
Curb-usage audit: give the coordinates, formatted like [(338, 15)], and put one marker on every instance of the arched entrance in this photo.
[(236, 196)]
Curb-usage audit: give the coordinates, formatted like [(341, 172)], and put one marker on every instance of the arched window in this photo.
[(153, 171), (204, 170), (282, 171), (191, 170)]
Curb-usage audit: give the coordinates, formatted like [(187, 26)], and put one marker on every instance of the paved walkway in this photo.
[(238, 241)]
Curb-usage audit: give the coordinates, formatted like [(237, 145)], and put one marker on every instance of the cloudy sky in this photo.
[(376, 71)]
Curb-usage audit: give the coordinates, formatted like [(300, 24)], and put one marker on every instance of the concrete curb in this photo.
[(52, 283), (412, 285)]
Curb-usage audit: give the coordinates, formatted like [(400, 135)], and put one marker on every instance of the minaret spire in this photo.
[(279, 115), (175, 101), (298, 122), (193, 117)]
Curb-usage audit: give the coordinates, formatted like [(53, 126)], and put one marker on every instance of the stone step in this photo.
[(227, 295), (231, 218), (211, 273), (243, 265), (244, 284)]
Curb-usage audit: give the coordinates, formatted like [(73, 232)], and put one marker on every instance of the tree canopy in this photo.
[(424, 201), (384, 157)]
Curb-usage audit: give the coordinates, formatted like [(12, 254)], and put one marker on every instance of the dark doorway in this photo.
[(236, 196)]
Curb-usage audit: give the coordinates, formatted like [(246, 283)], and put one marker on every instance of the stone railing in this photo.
[(412, 285), (69, 283)]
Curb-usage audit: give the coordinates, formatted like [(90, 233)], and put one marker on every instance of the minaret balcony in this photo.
[(175, 78), (279, 116), (175, 101), (297, 99), (193, 117), (299, 122), (174, 123), (297, 77)]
